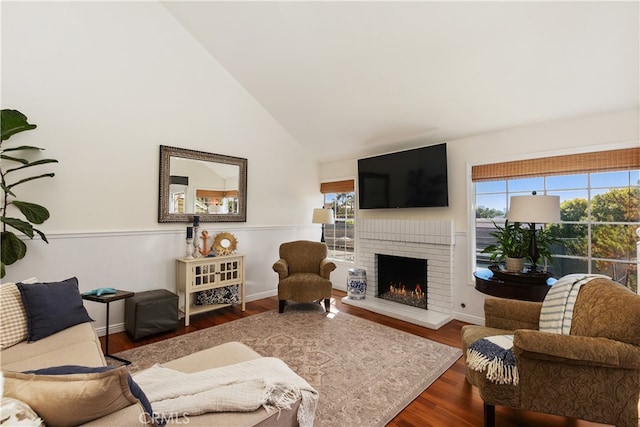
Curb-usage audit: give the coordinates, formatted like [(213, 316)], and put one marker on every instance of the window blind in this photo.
[(346, 186), (611, 160)]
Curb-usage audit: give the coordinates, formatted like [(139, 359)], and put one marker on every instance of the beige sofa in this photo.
[(79, 345)]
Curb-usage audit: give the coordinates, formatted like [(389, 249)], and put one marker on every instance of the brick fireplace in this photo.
[(429, 240)]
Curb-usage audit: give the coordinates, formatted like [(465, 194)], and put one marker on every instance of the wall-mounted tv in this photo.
[(406, 179)]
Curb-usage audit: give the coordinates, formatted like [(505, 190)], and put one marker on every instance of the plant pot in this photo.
[(515, 265)]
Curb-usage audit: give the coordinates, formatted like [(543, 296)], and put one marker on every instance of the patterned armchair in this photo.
[(592, 374), (303, 272)]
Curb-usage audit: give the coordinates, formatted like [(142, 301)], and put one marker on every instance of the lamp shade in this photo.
[(322, 216), (536, 209)]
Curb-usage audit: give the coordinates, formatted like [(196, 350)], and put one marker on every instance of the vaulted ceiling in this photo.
[(351, 79)]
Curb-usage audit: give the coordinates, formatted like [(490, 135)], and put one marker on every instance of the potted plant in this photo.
[(13, 248), (512, 245)]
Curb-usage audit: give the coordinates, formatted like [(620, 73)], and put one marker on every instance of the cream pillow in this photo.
[(71, 400), (13, 317)]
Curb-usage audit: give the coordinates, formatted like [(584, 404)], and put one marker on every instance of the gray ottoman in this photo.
[(151, 312)]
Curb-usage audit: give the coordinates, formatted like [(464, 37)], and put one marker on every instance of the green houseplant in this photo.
[(512, 243), (14, 162)]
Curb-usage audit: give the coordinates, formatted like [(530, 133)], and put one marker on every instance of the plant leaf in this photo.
[(12, 248), (12, 122), (22, 147), (46, 175), (19, 225), (29, 164), (42, 236), (14, 159), (7, 190), (34, 213)]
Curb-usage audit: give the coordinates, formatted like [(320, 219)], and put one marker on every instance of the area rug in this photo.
[(366, 373)]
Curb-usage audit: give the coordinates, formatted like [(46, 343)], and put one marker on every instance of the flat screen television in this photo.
[(407, 179)]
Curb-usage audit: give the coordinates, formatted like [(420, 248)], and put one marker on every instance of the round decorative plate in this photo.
[(225, 243)]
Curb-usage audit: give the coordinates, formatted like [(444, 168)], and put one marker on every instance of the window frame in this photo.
[(589, 258), (335, 188)]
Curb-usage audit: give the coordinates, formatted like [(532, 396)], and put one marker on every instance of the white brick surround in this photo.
[(430, 240)]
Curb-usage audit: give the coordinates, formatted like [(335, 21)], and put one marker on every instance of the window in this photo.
[(599, 212), (340, 236)]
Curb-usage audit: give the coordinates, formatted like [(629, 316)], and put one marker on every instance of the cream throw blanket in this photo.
[(242, 387)]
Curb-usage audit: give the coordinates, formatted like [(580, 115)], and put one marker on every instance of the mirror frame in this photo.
[(164, 215)]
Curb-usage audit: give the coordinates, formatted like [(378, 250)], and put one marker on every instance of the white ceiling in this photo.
[(351, 79)]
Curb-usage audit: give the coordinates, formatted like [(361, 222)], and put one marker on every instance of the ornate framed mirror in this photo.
[(211, 186)]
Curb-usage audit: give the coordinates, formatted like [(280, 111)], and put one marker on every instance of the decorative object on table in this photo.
[(189, 243), (225, 244), (196, 225), (13, 248), (356, 283), (534, 210), (512, 244), (100, 291), (206, 249), (322, 216)]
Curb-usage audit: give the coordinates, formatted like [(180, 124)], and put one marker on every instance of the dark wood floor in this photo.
[(450, 401)]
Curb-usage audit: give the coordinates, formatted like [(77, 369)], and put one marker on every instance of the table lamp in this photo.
[(322, 216), (534, 210)]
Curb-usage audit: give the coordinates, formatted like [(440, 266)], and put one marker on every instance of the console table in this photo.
[(201, 274), (513, 286)]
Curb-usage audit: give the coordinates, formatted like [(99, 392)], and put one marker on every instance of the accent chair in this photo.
[(593, 373), (303, 273)]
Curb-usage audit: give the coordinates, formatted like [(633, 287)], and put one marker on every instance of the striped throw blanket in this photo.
[(495, 353), (557, 308)]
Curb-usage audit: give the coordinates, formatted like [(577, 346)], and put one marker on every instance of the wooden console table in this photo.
[(201, 274), (515, 286)]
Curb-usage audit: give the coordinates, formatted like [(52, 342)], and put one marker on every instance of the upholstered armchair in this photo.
[(593, 373), (303, 273)]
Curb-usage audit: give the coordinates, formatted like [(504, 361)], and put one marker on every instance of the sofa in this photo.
[(93, 395)]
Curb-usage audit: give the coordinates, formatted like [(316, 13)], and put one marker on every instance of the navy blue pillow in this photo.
[(74, 369), (52, 307)]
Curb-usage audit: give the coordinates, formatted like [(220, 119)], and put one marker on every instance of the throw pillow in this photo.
[(75, 369), (52, 307), (13, 317), (71, 399)]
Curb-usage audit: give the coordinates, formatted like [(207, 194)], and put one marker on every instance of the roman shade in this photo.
[(611, 160)]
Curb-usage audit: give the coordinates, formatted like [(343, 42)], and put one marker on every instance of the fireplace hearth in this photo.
[(402, 280)]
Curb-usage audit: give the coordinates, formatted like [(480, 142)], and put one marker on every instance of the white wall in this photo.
[(583, 134), (107, 83)]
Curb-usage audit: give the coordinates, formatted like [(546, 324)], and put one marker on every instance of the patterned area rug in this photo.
[(366, 373)]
